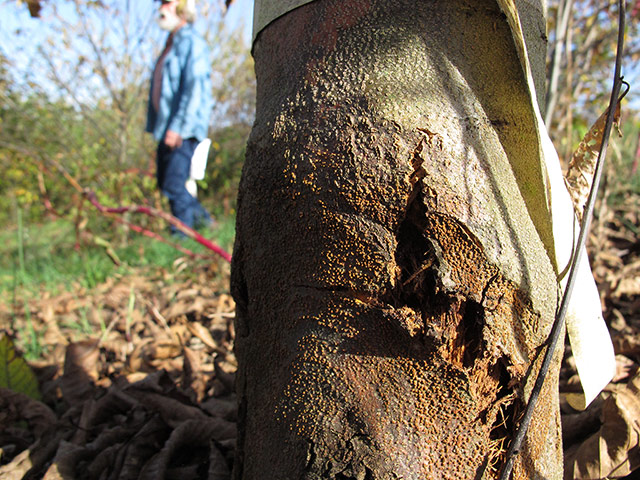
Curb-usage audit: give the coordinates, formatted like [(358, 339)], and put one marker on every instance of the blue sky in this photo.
[(242, 9), (21, 35), (14, 16)]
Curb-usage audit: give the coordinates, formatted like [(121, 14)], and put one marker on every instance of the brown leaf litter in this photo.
[(136, 378), (604, 440), (137, 375)]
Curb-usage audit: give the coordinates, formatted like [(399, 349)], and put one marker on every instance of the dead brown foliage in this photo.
[(603, 441), (150, 395)]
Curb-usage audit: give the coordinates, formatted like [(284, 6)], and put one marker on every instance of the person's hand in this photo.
[(172, 139)]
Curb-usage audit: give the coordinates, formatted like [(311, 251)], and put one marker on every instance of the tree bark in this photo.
[(391, 268)]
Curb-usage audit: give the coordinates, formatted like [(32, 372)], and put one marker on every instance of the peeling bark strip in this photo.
[(392, 291)]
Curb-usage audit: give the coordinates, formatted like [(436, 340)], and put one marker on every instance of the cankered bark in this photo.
[(393, 289)]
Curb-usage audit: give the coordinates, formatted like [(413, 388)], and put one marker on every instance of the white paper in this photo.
[(199, 159), (588, 334), (192, 187)]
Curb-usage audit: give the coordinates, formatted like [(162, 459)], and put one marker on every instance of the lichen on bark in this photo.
[(393, 290)]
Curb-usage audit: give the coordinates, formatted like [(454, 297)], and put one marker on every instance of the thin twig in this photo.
[(153, 235), (558, 324), (91, 196)]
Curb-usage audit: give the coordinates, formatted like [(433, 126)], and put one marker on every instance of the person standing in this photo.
[(178, 113)]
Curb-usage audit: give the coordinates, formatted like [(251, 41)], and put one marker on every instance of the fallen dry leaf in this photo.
[(17, 407), (614, 450), (80, 370), (193, 378), (17, 468), (218, 465), (187, 437), (579, 176), (200, 331)]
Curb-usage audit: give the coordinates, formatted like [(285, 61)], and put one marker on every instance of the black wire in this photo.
[(558, 324)]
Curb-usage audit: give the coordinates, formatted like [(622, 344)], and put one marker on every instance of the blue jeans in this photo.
[(172, 172)]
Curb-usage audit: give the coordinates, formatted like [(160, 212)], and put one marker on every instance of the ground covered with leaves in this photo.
[(604, 440), (135, 378)]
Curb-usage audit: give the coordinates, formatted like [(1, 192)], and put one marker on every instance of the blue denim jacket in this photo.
[(185, 96)]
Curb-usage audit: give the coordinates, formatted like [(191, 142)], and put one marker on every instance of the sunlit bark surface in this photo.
[(393, 290)]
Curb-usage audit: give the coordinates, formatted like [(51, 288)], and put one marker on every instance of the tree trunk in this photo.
[(393, 286)]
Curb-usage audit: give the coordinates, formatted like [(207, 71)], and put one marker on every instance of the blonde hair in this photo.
[(187, 10)]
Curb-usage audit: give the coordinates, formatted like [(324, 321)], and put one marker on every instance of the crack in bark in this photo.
[(376, 314)]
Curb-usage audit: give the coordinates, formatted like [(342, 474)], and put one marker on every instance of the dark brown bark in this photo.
[(393, 290)]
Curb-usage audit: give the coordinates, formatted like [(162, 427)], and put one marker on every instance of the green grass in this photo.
[(33, 257)]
